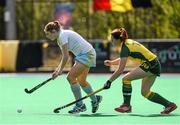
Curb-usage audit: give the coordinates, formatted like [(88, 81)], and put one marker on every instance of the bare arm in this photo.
[(112, 62), (120, 70), (65, 55), (116, 61)]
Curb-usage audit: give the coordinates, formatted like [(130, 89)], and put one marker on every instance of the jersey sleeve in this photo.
[(125, 52), (63, 38)]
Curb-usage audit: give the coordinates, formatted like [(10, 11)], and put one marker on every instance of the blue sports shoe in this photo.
[(95, 105), (78, 109)]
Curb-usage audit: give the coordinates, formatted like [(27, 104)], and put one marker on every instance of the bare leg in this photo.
[(135, 74), (147, 82), (72, 76), (85, 85)]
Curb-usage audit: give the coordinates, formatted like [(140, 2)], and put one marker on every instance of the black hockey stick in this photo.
[(37, 87), (56, 110)]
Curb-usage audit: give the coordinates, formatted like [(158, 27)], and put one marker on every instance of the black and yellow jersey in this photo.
[(136, 51)]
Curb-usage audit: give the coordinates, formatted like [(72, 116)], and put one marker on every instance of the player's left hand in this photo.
[(107, 62), (107, 85)]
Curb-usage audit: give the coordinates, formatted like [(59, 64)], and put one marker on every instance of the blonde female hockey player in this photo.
[(85, 57)]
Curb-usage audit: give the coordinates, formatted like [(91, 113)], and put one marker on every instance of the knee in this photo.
[(71, 79), (145, 93), (125, 80), (82, 82)]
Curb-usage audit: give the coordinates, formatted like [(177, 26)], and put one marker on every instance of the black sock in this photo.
[(154, 97), (127, 90)]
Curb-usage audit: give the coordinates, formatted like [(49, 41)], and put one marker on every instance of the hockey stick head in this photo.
[(56, 111), (37, 86), (27, 91)]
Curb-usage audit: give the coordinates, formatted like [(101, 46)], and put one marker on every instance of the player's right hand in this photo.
[(56, 73), (107, 85), (107, 62)]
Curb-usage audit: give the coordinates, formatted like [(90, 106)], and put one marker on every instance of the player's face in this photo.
[(114, 41), (52, 35)]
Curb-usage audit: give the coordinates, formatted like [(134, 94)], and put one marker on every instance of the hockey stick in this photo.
[(37, 87), (56, 110)]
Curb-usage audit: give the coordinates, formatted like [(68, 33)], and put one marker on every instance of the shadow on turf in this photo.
[(115, 115), (97, 115), (155, 115), (85, 115), (139, 115)]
